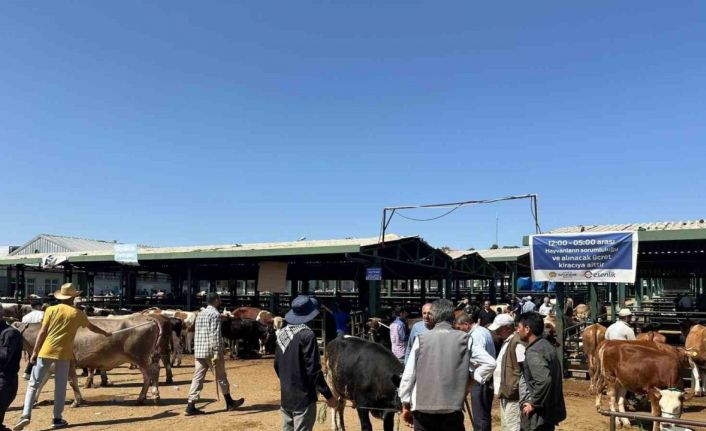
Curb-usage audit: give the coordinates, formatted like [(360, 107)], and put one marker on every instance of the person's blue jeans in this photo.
[(39, 374)]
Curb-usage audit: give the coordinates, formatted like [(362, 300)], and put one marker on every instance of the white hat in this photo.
[(66, 291), (528, 298), (500, 321), (625, 312)]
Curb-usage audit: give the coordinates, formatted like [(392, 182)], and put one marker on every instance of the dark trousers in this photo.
[(28, 368), (545, 427), (438, 422), (481, 403), (8, 390)]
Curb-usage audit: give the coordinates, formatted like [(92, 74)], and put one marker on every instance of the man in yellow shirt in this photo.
[(54, 346)]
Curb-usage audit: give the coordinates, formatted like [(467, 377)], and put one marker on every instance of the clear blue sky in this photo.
[(181, 122)]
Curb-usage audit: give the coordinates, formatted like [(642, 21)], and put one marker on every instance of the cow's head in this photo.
[(670, 401)]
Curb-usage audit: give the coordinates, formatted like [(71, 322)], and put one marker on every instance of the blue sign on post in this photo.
[(606, 257), (373, 274)]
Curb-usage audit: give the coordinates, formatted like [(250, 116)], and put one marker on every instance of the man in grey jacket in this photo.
[(542, 400), (433, 384)]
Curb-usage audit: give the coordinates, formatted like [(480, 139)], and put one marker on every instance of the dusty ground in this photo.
[(113, 408)]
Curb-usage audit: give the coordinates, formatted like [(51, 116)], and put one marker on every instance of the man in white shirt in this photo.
[(507, 374), (34, 316), (546, 308), (528, 305), (482, 349), (621, 329)]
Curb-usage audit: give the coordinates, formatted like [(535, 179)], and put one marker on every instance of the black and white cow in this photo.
[(368, 375)]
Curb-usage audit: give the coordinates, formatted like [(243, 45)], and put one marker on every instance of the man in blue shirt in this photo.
[(419, 328)]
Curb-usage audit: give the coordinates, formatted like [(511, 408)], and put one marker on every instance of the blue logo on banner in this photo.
[(373, 274), (589, 252)]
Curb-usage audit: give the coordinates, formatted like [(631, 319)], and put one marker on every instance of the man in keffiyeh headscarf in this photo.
[(298, 367)]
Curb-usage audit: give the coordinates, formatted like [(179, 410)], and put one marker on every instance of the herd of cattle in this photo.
[(647, 366), (147, 338)]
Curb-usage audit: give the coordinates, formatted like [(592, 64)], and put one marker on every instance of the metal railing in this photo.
[(650, 418)]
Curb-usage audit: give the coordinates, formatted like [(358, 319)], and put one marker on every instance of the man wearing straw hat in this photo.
[(54, 346)]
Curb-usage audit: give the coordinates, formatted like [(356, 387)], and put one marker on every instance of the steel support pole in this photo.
[(189, 286), (593, 298), (21, 285), (638, 293), (560, 298), (621, 295), (613, 301)]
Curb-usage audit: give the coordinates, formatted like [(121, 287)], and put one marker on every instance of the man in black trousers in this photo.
[(10, 352)]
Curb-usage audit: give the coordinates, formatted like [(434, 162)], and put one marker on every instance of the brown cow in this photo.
[(652, 336), (591, 338), (138, 345), (695, 345), (642, 367)]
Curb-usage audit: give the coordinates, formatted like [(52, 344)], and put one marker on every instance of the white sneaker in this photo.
[(21, 424)]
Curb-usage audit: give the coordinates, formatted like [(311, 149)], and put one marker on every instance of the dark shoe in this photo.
[(21, 424), (59, 423), (232, 404), (191, 410)]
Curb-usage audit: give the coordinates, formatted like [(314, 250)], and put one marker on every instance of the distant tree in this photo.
[(445, 249), (511, 246), (494, 247)]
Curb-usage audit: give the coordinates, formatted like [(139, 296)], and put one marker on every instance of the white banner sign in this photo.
[(605, 257), (125, 254)]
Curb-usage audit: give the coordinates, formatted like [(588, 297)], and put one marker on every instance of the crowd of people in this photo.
[(447, 356)]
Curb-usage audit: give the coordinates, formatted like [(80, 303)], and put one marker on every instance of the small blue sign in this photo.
[(373, 274)]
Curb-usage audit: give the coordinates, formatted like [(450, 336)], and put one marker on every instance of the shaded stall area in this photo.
[(671, 266)]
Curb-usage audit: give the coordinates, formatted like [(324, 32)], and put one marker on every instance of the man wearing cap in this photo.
[(208, 353), (10, 353), (621, 329), (298, 366), (506, 377), (54, 346)]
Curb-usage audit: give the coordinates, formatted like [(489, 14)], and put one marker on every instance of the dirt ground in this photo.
[(113, 408)]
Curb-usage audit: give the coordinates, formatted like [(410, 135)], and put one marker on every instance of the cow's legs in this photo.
[(154, 370), (612, 402), (655, 410), (89, 378), (365, 424), (73, 381), (703, 381), (168, 369), (388, 421), (622, 392), (104, 379), (178, 351), (146, 378), (695, 379)]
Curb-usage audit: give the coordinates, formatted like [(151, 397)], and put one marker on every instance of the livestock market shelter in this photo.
[(671, 263), (368, 272)]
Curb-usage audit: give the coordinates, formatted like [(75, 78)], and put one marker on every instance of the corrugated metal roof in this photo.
[(501, 254), (45, 243), (225, 250), (634, 227)]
